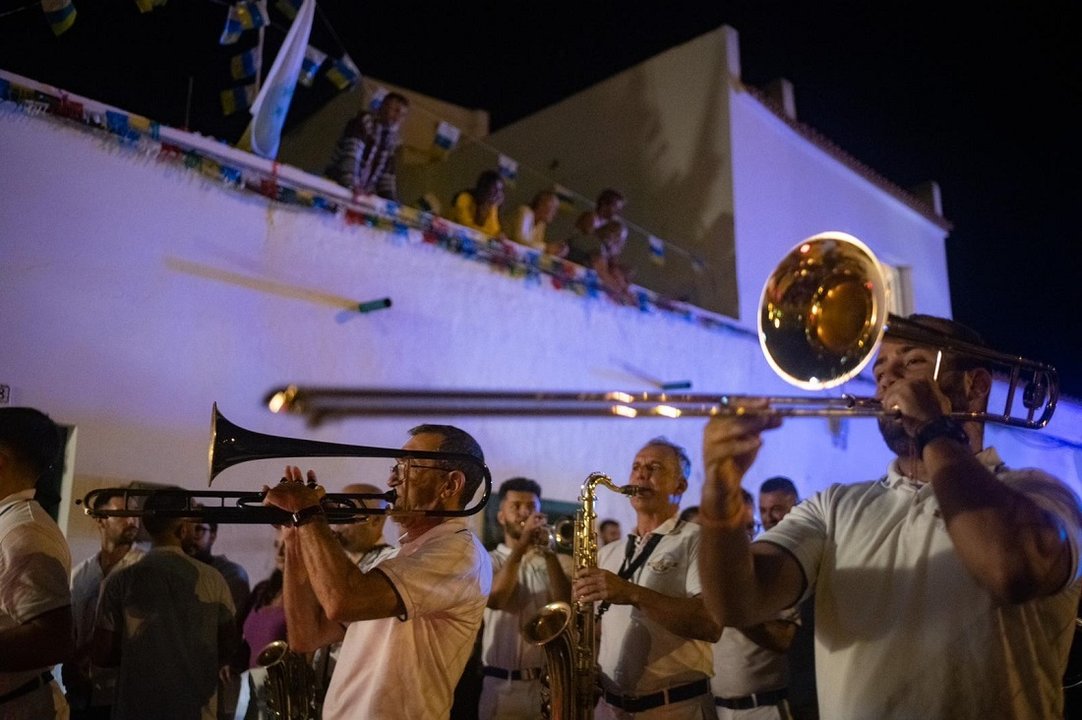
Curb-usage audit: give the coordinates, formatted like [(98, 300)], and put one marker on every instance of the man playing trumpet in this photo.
[(945, 589), (527, 575), (408, 625)]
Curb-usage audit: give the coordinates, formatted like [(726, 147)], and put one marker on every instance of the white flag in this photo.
[(272, 103)]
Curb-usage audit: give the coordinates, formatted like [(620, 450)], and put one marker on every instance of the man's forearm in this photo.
[(1015, 550), (504, 582), (686, 617), (307, 625), (40, 642)]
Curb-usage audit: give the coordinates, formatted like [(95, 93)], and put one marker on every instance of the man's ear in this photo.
[(978, 387), (456, 481)]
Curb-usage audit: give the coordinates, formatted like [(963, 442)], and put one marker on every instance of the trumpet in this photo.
[(822, 316), (561, 535), (231, 444)]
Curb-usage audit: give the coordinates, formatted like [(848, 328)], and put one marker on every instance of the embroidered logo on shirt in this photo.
[(662, 564)]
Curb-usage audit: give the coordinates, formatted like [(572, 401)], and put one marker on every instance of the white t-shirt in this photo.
[(743, 667), (169, 609), (502, 643), (902, 630), (408, 667), (637, 656), (34, 567)]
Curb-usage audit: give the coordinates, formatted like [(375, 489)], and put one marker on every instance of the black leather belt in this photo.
[(498, 672), (770, 697), (642, 703), (27, 687)]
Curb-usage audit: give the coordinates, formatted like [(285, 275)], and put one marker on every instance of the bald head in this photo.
[(360, 537)]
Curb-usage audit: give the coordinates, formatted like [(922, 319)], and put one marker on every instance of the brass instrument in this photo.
[(289, 688), (567, 632), (560, 535), (822, 316), (231, 444)]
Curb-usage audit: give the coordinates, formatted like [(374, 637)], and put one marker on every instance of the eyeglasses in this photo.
[(401, 469)]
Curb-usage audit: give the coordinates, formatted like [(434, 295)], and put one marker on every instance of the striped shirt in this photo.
[(363, 159)]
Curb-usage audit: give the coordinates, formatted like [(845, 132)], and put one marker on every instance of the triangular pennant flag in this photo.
[(657, 250), (60, 14), (313, 61), (270, 107)]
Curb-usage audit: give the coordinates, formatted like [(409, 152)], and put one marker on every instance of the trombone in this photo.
[(231, 444), (822, 316)]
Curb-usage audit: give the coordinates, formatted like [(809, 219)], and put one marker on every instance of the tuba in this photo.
[(567, 631), (289, 688)]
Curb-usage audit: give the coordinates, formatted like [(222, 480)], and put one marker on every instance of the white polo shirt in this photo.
[(502, 643), (743, 667), (902, 630), (638, 656), (408, 667)]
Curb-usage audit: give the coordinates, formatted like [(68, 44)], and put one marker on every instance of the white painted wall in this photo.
[(121, 314)]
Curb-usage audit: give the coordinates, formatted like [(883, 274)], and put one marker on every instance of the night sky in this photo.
[(987, 103)]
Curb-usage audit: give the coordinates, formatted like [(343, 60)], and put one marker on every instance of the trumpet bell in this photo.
[(823, 311)]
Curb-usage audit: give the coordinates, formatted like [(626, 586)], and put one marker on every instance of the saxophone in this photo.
[(567, 631), (289, 688)]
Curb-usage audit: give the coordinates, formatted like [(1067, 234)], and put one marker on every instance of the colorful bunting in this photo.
[(343, 73), (508, 168), (446, 136), (313, 61), (376, 100), (288, 8), (657, 250), (242, 16), (60, 14), (237, 98), (245, 65)]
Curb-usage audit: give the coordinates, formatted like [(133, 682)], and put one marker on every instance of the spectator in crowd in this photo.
[(750, 672), (610, 205), (408, 625), (90, 689), (609, 531), (169, 615), (947, 587), (364, 157), (531, 221), (35, 600), (199, 539), (527, 575), (655, 657), (777, 497), (263, 621), (600, 251), (479, 207), (363, 540)]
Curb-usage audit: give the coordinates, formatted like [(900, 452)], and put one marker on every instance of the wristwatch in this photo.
[(307, 515), (944, 426)]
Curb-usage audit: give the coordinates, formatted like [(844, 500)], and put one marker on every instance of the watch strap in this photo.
[(308, 514), (942, 427)]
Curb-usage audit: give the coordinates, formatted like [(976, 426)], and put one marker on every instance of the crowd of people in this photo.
[(363, 160), (946, 588)]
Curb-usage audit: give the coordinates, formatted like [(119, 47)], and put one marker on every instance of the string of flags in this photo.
[(508, 168), (140, 133), (61, 14)]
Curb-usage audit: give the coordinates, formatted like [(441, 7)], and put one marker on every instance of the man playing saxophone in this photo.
[(527, 575), (655, 653), (407, 625)]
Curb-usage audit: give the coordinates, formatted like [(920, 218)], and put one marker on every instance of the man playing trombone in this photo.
[(947, 588), (407, 626)]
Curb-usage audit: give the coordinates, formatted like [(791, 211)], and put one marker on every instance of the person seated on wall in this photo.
[(610, 203), (479, 207), (600, 251), (531, 221)]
